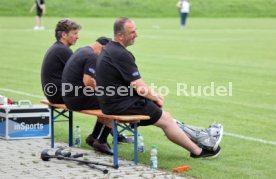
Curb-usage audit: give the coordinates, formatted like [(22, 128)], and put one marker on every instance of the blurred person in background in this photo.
[(40, 10), (184, 10)]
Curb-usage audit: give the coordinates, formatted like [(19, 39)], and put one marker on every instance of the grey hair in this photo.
[(119, 25)]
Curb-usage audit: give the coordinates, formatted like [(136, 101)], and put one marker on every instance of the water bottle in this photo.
[(153, 158), (77, 142), (141, 146), (3, 100)]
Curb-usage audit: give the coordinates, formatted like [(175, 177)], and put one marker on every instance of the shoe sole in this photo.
[(88, 143), (100, 152), (207, 156), (211, 157), (219, 140), (124, 143)]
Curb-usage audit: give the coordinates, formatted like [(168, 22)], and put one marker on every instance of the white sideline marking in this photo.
[(21, 92), (225, 133), (249, 138)]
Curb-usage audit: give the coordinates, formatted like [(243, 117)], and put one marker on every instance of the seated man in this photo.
[(78, 84), (66, 34), (116, 69)]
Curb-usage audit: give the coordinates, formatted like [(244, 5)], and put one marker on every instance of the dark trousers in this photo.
[(183, 17)]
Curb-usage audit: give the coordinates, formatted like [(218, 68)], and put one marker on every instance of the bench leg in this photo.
[(135, 144), (54, 117), (52, 127), (115, 144), (70, 128)]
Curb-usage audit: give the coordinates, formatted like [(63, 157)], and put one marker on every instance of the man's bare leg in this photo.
[(175, 134)]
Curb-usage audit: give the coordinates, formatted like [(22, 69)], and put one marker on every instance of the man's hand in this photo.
[(159, 100), (89, 82), (143, 90), (43, 8)]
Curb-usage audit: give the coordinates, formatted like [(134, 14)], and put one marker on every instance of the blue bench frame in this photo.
[(68, 114)]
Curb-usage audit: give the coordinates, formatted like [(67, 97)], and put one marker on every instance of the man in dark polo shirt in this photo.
[(79, 83), (66, 34), (117, 70)]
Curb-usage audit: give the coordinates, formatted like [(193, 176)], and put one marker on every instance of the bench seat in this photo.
[(126, 121)]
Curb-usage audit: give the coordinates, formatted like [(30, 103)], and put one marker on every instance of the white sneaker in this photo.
[(208, 138), (36, 27), (215, 133), (41, 28)]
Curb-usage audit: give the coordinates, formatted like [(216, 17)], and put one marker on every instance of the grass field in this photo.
[(142, 8), (241, 51)]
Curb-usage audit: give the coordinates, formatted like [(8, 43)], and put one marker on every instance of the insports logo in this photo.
[(26, 127)]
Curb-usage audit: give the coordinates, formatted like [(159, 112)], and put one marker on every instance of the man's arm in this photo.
[(179, 4), (143, 90), (32, 8), (43, 7), (89, 82)]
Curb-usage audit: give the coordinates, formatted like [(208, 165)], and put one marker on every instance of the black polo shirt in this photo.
[(52, 68), (116, 69), (77, 96), (83, 61)]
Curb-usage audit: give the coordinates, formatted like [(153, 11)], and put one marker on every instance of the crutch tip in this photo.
[(116, 166)]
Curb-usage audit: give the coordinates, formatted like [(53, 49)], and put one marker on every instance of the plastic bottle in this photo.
[(77, 140), (153, 158), (141, 146), (3, 100)]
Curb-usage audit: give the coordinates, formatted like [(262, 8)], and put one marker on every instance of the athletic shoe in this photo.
[(123, 139), (102, 147), (94, 143), (207, 154), (215, 131), (209, 138), (90, 140), (41, 28), (36, 27)]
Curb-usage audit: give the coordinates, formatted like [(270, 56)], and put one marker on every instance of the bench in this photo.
[(126, 122)]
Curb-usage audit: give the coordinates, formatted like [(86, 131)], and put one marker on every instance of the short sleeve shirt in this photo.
[(52, 67), (39, 2), (116, 69), (83, 61)]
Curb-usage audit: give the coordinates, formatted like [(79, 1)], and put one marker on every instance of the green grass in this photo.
[(222, 50), (142, 8)]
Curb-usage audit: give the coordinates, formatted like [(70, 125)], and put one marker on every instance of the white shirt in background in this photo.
[(185, 7)]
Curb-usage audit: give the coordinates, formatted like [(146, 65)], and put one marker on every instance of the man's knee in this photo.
[(165, 120), (168, 117)]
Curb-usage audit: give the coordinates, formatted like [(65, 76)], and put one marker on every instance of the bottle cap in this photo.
[(153, 146)]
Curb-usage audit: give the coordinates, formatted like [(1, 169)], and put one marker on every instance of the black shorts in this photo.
[(145, 107), (39, 12), (56, 99), (81, 102)]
